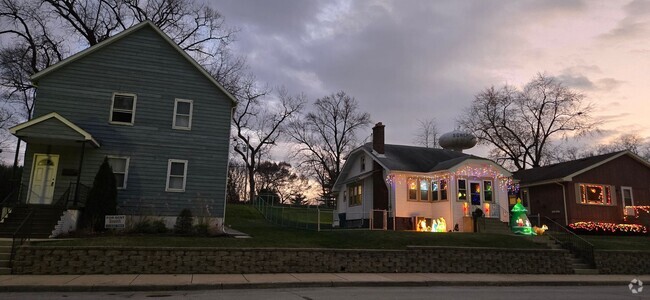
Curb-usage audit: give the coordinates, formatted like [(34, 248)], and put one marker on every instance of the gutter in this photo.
[(566, 216)]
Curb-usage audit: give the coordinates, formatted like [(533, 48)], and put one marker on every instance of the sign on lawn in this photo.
[(115, 221)]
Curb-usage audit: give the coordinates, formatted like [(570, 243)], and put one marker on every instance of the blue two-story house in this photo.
[(138, 99)]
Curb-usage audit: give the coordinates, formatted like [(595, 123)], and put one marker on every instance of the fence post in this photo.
[(318, 219)]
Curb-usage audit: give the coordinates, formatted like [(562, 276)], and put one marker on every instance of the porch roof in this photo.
[(53, 129)]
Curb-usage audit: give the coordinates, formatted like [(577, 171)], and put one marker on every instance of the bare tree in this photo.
[(259, 121), (325, 136), (520, 124), (427, 133), (236, 186)]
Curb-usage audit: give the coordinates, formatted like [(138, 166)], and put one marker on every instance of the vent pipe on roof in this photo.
[(378, 138)]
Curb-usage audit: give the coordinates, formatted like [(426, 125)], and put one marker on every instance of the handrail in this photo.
[(571, 241), (14, 245)]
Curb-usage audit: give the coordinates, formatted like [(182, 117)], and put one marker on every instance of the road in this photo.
[(363, 293)]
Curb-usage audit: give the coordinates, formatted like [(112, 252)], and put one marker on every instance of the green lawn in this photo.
[(247, 219), (619, 242)]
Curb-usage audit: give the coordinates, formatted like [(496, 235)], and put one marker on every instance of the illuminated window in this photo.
[(434, 190), (417, 189), (443, 189), (595, 194), (487, 190), (424, 190), (355, 193), (462, 190)]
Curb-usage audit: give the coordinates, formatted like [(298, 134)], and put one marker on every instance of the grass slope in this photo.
[(247, 219)]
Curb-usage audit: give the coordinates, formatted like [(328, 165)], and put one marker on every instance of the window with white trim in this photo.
[(123, 108), (183, 114), (628, 198), (120, 166), (176, 175)]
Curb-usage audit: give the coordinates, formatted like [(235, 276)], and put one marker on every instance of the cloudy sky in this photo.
[(408, 60)]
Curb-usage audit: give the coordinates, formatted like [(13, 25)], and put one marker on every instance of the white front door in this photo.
[(43, 181)]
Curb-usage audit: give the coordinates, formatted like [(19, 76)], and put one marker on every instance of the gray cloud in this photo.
[(402, 60)]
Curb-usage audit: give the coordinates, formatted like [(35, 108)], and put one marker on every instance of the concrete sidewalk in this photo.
[(159, 282)]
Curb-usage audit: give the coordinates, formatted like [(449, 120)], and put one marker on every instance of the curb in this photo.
[(287, 285)]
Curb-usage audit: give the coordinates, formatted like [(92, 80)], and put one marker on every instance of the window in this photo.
[(182, 114), (434, 190), (123, 109), (363, 163), (176, 175), (418, 189), (595, 194), (443, 189), (355, 192), (475, 193), (487, 190), (120, 166), (628, 199), (462, 190), (424, 190)]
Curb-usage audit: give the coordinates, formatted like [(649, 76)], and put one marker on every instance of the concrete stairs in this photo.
[(493, 225), (579, 265), (44, 219), (5, 253)]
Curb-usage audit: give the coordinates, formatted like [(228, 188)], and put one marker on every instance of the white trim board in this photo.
[(87, 136)]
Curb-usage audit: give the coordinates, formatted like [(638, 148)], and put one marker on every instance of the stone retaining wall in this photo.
[(622, 262), (131, 260)]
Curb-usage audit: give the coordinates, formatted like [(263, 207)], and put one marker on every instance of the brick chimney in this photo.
[(378, 138)]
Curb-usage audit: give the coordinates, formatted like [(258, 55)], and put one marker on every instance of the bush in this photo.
[(148, 227), (201, 229), (102, 198), (184, 222)]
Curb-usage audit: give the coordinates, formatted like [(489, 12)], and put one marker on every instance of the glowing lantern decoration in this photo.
[(466, 209), (519, 222), (487, 209)]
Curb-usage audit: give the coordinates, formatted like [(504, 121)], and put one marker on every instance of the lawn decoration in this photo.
[(538, 230), (519, 222)]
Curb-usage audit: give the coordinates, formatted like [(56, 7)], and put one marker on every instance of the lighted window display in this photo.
[(595, 194), (418, 189), (462, 190), (424, 190), (443, 189), (412, 189), (434, 190), (487, 190), (355, 193), (475, 193)]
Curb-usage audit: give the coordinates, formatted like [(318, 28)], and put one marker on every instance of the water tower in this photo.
[(457, 140)]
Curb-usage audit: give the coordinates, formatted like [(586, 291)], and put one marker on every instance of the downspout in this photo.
[(566, 216)]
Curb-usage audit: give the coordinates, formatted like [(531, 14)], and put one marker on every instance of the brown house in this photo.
[(597, 188)]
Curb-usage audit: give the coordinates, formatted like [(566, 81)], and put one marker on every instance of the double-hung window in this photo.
[(596, 194), (120, 166), (176, 175), (123, 109), (418, 189), (355, 193), (183, 114), (462, 189)]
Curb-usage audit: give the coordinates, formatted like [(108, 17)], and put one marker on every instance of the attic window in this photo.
[(123, 109), (363, 163)]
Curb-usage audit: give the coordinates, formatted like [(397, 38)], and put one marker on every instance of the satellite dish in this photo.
[(457, 140)]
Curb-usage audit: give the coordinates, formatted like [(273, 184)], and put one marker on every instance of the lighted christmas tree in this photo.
[(519, 222)]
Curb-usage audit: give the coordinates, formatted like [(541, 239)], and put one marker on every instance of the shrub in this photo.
[(183, 222), (201, 229), (600, 228), (149, 227), (102, 198), (159, 226)]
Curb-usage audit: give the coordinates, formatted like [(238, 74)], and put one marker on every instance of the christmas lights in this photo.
[(600, 227)]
